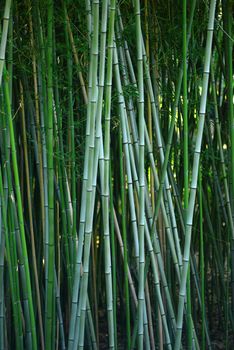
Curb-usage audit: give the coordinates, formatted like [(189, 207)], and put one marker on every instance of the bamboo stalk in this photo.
[(193, 185)]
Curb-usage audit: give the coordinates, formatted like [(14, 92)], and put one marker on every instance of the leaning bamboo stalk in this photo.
[(186, 163), (126, 143), (37, 114), (11, 255), (193, 186), (122, 109), (4, 36), (31, 216), (125, 248), (141, 294), (6, 245), (106, 190), (159, 140), (17, 319), (64, 191), (76, 58), (150, 215), (135, 178), (89, 196), (20, 214)]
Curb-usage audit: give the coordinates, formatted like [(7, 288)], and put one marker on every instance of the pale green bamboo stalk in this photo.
[(193, 186), (135, 142), (113, 255), (91, 326), (49, 241), (157, 247), (89, 196), (155, 116), (150, 319), (106, 190), (73, 159), (98, 140), (43, 103), (141, 224), (10, 64), (151, 249), (186, 165), (135, 179), (160, 147), (89, 20), (125, 247), (77, 274), (126, 145), (168, 188), (123, 118), (4, 33), (60, 316)]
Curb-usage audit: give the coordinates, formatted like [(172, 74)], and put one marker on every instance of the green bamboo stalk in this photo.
[(10, 63), (11, 258), (82, 83), (113, 257), (68, 177), (122, 111), (72, 137), (228, 25), (109, 293), (156, 179), (49, 241), (31, 217), (165, 157), (193, 186), (89, 195), (159, 136), (124, 230), (2, 297), (186, 172), (20, 214), (4, 33), (6, 245), (126, 148), (64, 193), (141, 296), (37, 114), (202, 261), (43, 103), (135, 142), (127, 145)]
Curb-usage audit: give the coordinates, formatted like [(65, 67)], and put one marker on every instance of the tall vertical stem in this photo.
[(50, 291), (141, 121)]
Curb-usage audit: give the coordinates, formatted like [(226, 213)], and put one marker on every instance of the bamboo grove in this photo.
[(116, 174)]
